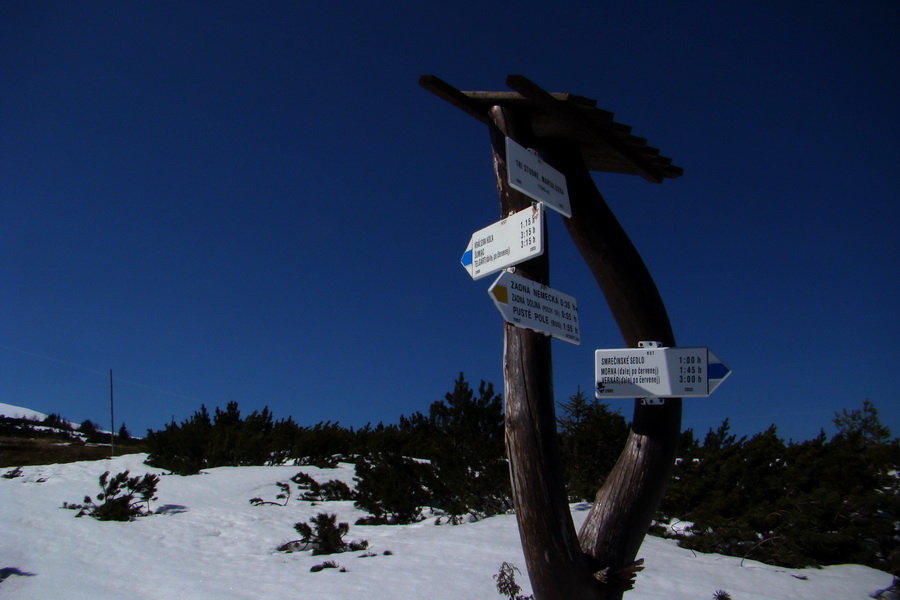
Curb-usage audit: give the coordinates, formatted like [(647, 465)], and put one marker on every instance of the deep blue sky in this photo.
[(256, 202)]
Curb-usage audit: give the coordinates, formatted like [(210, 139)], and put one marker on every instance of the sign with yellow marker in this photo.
[(531, 305)]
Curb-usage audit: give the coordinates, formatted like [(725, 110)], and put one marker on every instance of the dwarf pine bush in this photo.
[(328, 564), (324, 535), (284, 495), (122, 499), (793, 504), (13, 473)]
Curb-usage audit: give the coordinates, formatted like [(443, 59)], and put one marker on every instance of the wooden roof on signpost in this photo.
[(605, 145)]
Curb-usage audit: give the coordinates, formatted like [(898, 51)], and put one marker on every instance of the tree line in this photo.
[(818, 502), (450, 459)]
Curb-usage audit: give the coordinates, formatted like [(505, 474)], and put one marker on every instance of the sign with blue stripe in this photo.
[(513, 240), (658, 372)]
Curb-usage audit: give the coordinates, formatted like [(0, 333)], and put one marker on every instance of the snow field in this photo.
[(208, 542)]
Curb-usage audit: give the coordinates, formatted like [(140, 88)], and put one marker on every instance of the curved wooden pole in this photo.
[(624, 507)]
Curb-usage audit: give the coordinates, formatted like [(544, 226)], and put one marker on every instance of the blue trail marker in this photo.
[(658, 372), (515, 239)]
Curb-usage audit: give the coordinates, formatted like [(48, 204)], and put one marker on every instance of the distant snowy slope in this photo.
[(207, 542), (9, 410)]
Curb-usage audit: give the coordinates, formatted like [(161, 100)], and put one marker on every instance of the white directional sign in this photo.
[(536, 179), (505, 243), (658, 372), (530, 305)]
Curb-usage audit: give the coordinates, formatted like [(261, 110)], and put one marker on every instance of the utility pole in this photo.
[(112, 419)]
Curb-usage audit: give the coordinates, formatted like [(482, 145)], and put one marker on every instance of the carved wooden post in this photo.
[(624, 507), (555, 563)]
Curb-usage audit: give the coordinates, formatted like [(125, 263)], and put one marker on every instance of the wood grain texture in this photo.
[(556, 566)]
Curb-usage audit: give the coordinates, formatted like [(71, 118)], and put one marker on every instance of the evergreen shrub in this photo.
[(324, 535), (460, 468), (392, 488), (122, 499), (507, 585), (819, 502), (591, 437)]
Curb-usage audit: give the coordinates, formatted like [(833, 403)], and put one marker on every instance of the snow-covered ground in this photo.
[(206, 541), (17, 412)]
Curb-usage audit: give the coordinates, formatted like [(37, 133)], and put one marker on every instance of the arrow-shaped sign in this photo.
[(536, 179), (530, 305), (505, 243), (658, 372)]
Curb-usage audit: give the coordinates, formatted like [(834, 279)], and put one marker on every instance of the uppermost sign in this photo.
[(536, 179)]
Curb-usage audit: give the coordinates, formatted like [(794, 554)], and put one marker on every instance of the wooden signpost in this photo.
[(564, 137)]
